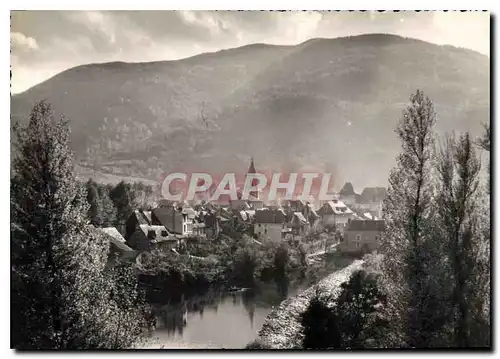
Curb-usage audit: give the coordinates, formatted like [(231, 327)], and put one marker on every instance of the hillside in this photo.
[(331, 104)]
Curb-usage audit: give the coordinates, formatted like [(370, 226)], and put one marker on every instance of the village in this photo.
[(350, 222)]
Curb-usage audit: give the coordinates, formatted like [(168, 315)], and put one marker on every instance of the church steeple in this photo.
[(251, 169)]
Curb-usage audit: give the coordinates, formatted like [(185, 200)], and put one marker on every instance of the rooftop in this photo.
[(335, 207), (267, 215)]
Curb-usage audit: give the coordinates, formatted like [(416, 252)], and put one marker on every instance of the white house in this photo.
[(335, 214)]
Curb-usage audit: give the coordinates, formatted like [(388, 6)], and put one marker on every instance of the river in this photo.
[(227, 320)]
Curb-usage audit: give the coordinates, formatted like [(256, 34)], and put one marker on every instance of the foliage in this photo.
[(112, 205), (407, 236), (246, 264), (258, 344), (485, 141), (457, 217), (61, 295), (352, 320), (121, 195), (225, 260), (435, 266)]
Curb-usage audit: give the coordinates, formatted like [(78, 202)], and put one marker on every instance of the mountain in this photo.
[(328, 104)]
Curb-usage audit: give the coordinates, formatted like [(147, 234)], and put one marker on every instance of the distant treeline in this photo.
[(112, 205)]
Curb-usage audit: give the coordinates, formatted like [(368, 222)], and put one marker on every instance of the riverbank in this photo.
[(281, 330)]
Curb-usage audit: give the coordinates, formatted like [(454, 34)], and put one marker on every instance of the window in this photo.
[(358, 237), (357, 245)]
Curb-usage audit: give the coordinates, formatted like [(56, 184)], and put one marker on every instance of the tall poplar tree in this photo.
[(406, 212)]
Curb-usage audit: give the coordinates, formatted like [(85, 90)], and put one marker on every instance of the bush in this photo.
[(353, 320), (259, 344)]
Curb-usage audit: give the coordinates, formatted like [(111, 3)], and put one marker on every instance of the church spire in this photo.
[(251, 169)]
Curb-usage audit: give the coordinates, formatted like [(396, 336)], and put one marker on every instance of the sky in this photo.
[(44, 43)]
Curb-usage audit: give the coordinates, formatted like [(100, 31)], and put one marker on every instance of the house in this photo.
[(255, 203), (137, 218), (312, 216), (117, 246), (371, 200), (239, 204), (245, 216), (212, 224), (362, 236), (347, 194), (270, 224), (335, 214), (245, 204), (299, 223), (151, 237), (296, 205), (199, 229), (176, 220), (374, 194), (306, 208)]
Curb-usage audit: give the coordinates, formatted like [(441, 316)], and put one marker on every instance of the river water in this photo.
[(227, 320)]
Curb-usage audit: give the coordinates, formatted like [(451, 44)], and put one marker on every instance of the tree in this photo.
[(246, 264), (281, 259), (320, 328), (458, 169), (352, 320), (406, 212), (108, 208), (95, 212), (485, 143), (362, 325), (121, 195), (61, 295)]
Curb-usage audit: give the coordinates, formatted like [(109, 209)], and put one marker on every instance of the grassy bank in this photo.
[(282, 327)]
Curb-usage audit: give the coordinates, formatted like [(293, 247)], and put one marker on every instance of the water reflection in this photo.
[(229, 320)]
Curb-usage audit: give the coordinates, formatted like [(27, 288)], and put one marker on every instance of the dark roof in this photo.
[(267, 215), (313, 214), (158, 231), (365, 225), (165, 216), (297, 204), (141, 218), (347, 190), (373, 194)]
